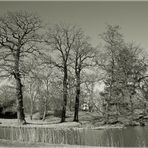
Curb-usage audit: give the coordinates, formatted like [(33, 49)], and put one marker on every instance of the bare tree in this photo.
[(61, 39), (90, 81), (46, 80), (17, 36), (82, 54), (32, 83)]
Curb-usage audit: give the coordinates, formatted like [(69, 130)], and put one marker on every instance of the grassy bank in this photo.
[(86, 120)]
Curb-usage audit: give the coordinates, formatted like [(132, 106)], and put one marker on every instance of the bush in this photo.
[(8, 110), (8, 115), (57, 113)]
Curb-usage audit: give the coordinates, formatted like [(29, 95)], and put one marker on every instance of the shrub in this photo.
[(57, 113)]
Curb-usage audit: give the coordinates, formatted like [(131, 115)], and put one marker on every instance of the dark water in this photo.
[(126, 137)]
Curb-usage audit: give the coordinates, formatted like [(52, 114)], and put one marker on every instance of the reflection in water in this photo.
[(126, 137)]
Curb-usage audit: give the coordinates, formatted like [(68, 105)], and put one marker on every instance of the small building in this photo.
[(85, 107)]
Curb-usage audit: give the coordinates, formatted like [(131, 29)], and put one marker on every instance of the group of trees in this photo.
[(49, 63), (63, 48), (126, 71)]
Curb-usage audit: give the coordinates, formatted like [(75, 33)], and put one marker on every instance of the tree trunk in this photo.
[(117, 112), (77, 100), (63, 115), (145, 109), (31, 109), (44, 114), (19, 93), (91, 97), (71, 100), (132, 108), (107, 113), (20, 108), (45, 110)]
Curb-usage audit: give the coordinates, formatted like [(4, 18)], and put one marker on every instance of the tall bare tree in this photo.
[(18, 31), (32, 84), (82, 55), (61, 39)]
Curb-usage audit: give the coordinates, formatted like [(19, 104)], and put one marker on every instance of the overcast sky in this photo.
[(92, 16)]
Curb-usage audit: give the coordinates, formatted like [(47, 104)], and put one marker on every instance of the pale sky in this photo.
[(92, 16)]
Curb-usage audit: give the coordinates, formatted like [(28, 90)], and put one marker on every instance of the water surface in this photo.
[(125, 137)]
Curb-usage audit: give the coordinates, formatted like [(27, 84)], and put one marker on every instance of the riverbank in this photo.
[(52, 133), (87, 120)]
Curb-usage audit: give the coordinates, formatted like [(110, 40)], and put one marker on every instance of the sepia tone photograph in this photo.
[(73, 73)]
